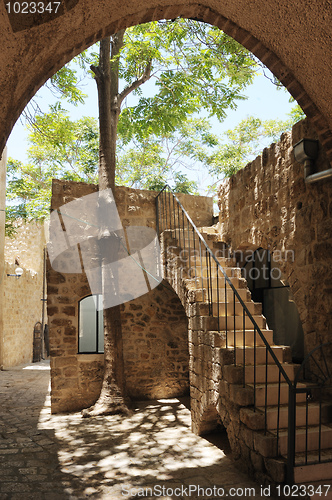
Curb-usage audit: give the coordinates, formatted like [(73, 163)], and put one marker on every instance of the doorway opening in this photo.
[(268, 286)]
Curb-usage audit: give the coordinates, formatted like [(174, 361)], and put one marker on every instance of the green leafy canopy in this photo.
[(59, 147), (193, 68)]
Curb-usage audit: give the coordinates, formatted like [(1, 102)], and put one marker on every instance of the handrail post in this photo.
[(291, 434)]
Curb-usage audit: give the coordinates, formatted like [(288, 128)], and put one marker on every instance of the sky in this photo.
[(264, 101)]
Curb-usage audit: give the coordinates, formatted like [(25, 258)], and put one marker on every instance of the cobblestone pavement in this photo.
[(151, 454)]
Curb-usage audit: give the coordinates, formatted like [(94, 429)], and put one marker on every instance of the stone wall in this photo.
[(268, 205), (155, 337), (265, 205), (22, 305), (154, 326), (3, 169)]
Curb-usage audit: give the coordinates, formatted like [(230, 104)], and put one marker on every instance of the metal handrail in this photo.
[(267, 345), (293, 390), (308, 390)]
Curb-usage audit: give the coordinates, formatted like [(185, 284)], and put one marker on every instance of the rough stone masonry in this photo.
[(155, 333)]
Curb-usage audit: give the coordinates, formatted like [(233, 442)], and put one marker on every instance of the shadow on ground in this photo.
[(153, 451), (151, 454), (29, 464)]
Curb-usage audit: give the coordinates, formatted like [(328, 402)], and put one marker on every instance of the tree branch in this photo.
[(96, 71), (136, 84)]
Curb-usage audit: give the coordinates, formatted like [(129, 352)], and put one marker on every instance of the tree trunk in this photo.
[(112, 397)]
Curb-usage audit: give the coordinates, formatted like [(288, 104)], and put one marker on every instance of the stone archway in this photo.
[(209, 418), (294, 47)]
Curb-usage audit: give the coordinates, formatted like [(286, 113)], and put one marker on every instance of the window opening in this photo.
[(91, 325)]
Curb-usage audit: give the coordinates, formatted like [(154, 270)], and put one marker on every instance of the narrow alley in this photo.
[(152, 454)]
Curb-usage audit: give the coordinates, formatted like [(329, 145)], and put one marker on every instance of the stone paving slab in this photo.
[(152, 454)]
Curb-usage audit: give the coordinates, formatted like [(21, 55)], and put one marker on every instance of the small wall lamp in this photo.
[(306, 152), (18, 272)]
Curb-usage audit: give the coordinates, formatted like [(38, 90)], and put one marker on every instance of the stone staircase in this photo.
[(234, 379)]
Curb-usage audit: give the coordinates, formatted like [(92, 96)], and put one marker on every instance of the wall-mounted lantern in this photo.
[(306, 152), (18, 272)]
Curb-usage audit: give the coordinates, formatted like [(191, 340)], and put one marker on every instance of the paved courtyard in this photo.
[(151, 454)]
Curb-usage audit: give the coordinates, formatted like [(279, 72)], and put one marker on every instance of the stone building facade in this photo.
[(155, 332), (171, 341), (22, 304), (268, 205)]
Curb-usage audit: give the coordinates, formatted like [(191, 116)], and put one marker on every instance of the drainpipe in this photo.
[(3, 168), (306, 152), (318, 176)]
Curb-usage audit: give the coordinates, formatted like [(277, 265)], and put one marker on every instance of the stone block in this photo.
[(224, 389), (247, 435), (253, 419), (52, 310), (226, 356), (257, 461), (265, 444), (233, 374), (276, 468), (242, 396), (69, 310)]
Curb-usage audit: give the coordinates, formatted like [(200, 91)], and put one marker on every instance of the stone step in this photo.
[(283, 354), (203, 308), (199, 254), (312, 439), (313, 472), (214, 282), (205, 232), (256, 419), (313, 456), (216, 247), (193, 272), (272, 394), (234, 374), (208, 229), (190, 234), (265, 443), (249, 338), (202, 270), (200, 259), (201, 294), (219, 324), (219, 340), (254, 308), (244, 396)]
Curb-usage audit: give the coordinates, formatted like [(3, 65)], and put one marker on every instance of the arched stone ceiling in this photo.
[(293, 39)]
